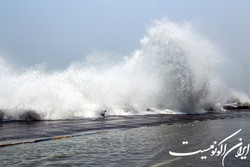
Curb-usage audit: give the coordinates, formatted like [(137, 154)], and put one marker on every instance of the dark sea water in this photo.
[(126, 141)]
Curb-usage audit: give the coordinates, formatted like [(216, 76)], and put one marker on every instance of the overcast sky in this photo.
[(58, 32)]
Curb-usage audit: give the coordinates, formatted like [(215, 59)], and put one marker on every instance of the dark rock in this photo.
[(1, 115), (30, 116)]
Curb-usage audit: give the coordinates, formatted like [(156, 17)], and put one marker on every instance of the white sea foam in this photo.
[(172, 72)]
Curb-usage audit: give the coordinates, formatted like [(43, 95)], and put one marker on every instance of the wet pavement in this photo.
[(25, 130)]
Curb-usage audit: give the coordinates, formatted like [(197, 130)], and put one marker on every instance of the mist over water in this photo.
[(174, 71)]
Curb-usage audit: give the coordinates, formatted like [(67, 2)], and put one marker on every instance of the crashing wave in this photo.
[(172, 71)]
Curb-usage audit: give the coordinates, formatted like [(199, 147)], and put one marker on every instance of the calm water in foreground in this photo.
[(141, 146)]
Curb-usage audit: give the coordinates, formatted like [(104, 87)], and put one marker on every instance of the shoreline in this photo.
[(20, 131)]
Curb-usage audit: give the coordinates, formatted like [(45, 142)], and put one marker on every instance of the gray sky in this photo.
[(58, 32)]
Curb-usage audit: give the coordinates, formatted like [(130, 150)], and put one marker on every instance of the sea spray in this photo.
[(172, 72)]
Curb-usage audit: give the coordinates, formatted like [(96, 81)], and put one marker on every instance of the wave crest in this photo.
[(172, 71)]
